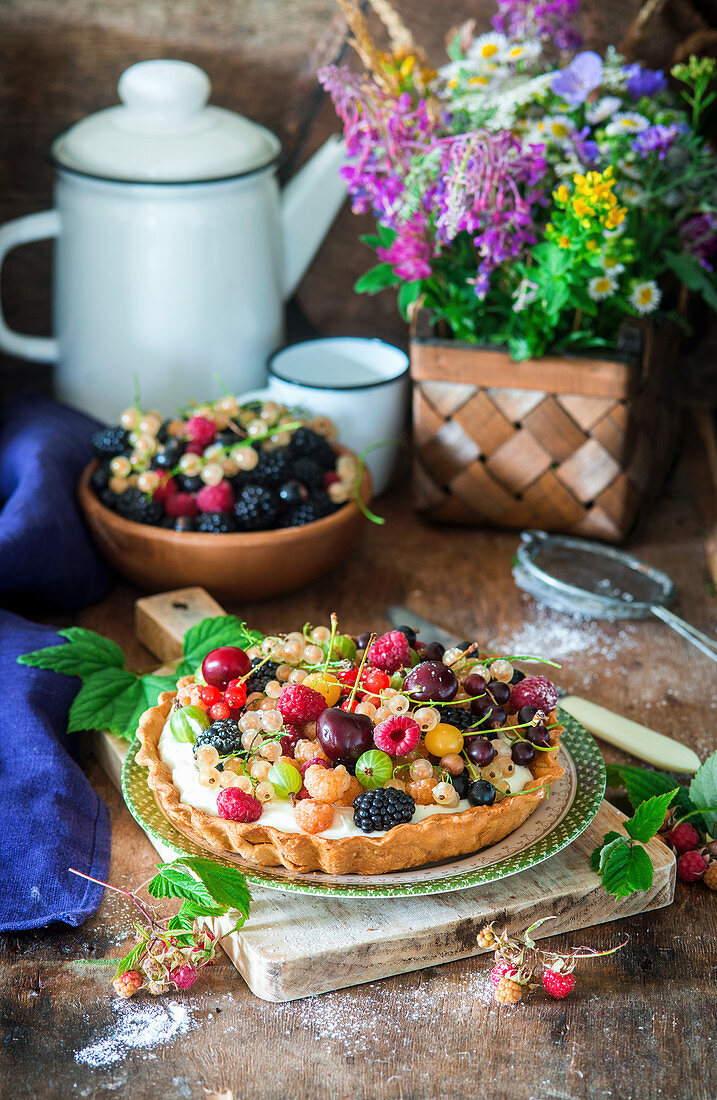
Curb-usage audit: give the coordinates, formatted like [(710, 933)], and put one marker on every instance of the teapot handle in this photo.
[(34, 227)]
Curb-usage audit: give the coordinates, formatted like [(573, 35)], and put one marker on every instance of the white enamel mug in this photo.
[(362, 385)]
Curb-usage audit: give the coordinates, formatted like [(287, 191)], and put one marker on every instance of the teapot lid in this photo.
[(164, 132)]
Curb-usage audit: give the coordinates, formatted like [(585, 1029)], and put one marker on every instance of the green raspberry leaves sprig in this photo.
[(113, 697), (698, 801), (622, 862)]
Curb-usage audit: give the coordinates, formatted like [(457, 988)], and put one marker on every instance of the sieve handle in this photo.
[(689, 633), (623, 733)]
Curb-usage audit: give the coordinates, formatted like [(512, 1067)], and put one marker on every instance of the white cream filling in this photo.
[(279, 813)]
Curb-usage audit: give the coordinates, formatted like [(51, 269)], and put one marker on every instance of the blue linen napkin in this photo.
[(50, 818)]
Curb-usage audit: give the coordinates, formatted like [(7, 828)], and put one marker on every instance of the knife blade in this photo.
[(644, 743)]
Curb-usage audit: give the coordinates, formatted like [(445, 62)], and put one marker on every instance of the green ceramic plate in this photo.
[(570, 807)]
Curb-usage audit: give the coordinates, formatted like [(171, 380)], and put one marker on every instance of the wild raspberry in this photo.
[(557, 984), (326, 784), (301, 704), (534, 691), (314, 760), (200, 430), (397, 735), (508, 992), (308, 750), (502, 970), (421, 791), (216, 498), (683, 838), (184, 976), (235, 805), (313, 817), (128, 983), (710, 876), (166, 489), (181, 504), (486, 937), (351, 793), (390, 652), (691, 866)]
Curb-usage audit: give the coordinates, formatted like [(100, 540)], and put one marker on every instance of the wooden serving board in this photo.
[(298, 945)]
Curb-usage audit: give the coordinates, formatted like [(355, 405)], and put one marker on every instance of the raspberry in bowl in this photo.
[(245, 500), (328, 763)]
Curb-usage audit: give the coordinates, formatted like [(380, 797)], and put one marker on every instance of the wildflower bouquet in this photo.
[(528, 194)]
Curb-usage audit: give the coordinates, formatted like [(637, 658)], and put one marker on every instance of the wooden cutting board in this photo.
[(298, 945)]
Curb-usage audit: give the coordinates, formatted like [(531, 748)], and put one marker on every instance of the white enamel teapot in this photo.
[(175, 250)]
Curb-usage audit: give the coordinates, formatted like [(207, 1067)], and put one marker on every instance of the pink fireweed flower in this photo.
[(411, 252)]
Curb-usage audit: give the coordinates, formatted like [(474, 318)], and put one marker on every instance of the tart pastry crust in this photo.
[(438, 837)]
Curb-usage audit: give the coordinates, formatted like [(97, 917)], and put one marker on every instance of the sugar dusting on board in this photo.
[(558, 636), (139, 1025)]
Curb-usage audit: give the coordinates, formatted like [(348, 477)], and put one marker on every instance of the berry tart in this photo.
[(222, 468), (319, 751)]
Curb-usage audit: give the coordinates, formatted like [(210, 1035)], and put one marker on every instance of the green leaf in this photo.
[(598, 857), (210, 634), (151, 687), (106, 700), (173, 882), (407, 295), (613, 777), (226, 885), (84, 654), (378, 278), (191, 911), (627, 870), (129, 961), (371, 240), (689, 270), (648, 816), (703, 790), (454, 48), (386, 235)]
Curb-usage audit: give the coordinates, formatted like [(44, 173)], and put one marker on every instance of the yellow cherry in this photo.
[(326, 685), (444, 739)]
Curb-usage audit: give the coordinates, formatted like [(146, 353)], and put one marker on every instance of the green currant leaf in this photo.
[(627, 870), (226, 885), (173, 882), (84, 654), (106, 700), (648, 816), (209, 634), (703, 790), (151, 687), (129, 961)]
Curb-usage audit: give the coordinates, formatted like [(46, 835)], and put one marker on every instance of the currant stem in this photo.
[(354, 689)]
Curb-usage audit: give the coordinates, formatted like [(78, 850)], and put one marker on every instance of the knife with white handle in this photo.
[(644, 743)]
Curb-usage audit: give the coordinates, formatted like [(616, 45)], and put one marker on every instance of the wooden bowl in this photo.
[(245, 566)]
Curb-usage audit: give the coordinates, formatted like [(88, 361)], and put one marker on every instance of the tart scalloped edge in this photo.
[(438, 837)]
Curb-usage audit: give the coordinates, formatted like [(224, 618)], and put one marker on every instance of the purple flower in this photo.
[(575, 83), (658, 139), (642, 82), (411, 252), (699, 238), (549, 20), (586, 150)]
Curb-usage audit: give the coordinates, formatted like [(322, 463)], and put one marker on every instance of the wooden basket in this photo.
[(571, 444)]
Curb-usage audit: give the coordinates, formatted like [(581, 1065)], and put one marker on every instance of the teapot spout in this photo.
[(310, 202)]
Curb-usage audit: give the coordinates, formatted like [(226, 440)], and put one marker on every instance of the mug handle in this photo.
[(34, 227)]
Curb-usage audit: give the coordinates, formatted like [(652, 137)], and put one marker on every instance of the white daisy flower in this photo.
[(611, 265), (522, 51), (601, 287), (488, 47), (524, 294), (566, 169), (602, 109), (626, 122), (646, 296), (631, 194), (617, 231)]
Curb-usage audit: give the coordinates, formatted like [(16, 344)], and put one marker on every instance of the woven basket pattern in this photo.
[(581, 454)]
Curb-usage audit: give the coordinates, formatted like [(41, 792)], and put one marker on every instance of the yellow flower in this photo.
[(591, 245), (615, 217), (564, 242), (581, 208), (562, 194), (407, 66), (452, 84), (482, 80)]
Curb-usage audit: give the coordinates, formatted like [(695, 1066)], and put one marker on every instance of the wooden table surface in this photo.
[(640, 1024)]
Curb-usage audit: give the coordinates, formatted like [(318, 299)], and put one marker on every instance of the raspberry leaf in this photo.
[(130, 960), (106, 700), (627, 869), (641, 784), (703, 790), (600, 854), (648, 816), (173, 882), (84, 654), (226, 885), (210, 634)]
